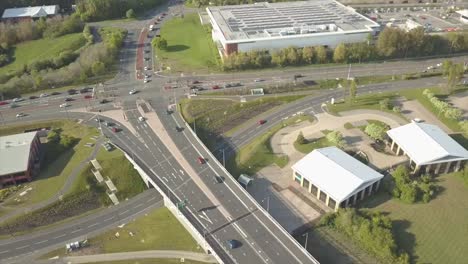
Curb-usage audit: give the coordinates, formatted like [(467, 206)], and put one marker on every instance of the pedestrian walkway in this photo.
[(148, 254)]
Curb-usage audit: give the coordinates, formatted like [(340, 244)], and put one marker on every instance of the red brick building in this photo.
[(19, 158)]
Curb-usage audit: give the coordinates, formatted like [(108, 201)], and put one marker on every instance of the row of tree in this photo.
[(391, 43), (13, 33), (94, 10), (371, 230), (443, 107), (410, 190), (94, 60)]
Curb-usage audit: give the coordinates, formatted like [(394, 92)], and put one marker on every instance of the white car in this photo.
[(416, 120), (145, 80), (64, 105), (16, 100), (141, 119), (146, 68), (133, 91), (43, 95), (20, 115), (258, 80)]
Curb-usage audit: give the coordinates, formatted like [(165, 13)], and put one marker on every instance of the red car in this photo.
[(115, 129), (3, 103), (88, 96), (215, 87), (163, 14), (261, 122), (201, 160)]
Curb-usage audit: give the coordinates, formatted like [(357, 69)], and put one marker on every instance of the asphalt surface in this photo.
[(262, 240)]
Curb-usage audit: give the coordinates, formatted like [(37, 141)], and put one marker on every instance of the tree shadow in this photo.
[(405, 240), (175, 48)]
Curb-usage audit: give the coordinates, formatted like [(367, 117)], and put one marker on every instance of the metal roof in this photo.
[(335, 172), (287, 19), (14, 152), (31, 11), (427, 144), (463, 12)]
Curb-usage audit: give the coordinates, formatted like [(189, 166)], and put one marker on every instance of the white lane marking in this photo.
[(239, 229), (123, 212), (60, 236), (74, 231), (40, 242), (110, 218), (165, 179), (181, 171), (205, 217), (1, 252), (22, 247), (95, 224)]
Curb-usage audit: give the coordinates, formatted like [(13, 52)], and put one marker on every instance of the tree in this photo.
[(453, 113), (159, 43), (385, 104), (308, 54), (339, 55), (464, 126), (455, 74), (98, 68), (352, 90), (376, 131), (336, 138), (130, 13), (396, 109), (300, 139), (409, 193), (321, 54)]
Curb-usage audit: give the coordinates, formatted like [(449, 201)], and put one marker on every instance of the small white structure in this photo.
[(428, 148), (335, 178), (463, 15)]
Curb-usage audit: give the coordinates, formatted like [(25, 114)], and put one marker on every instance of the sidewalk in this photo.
[(148, 254)]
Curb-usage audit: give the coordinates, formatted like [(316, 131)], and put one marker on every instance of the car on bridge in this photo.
[(215, 87), (232, 243), (133, 91), (115, 129), (201, 160), (261, 121), (20, 115)]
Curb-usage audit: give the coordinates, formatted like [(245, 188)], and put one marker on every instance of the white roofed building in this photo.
[(335, 178), (30, 12), (429, 149)]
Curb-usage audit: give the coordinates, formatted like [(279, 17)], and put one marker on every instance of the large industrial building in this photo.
[(430, 150), (335, 178), (269, 26), (19, 158), (29, 13)]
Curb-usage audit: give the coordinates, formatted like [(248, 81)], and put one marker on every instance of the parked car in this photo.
[(103, 101), (201, 160), (71, 91), (215, 87), (88, 96), (108, 146), (55, 93), (261, 121), (115, 129), (20, 115), (97, 119), (42, 95), (232, 243), (68, 99), (64, 105), (416, 120), (298, 75), (3, 103), (32, 97), (108, 124), (258, 80), (146, 80), (133, 91), (19, 99), (141, 119)]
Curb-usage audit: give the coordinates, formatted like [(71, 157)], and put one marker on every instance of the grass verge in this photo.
[(190, 47), (30, 51), (158, 230), (432, 232), (312, 144)]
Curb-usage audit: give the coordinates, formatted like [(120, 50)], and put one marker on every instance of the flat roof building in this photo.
[(429, 148), (335, 178), (30, 12), (19, 157), (266, 26)]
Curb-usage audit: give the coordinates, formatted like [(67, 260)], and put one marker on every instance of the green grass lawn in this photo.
[(53, 176), (190, 47), (157, 230), (435, 232), (367, 101), (312, 144), (258, 153), (30, 51)]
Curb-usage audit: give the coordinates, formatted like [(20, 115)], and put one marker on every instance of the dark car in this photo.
[(261, 121), (201, 160), (3, 103), (179, 129), (88, 96), (147, 59), (55, 93), (298, 75), (32, 97), (195, 82), (71, 91), (103, 101), (115, 129), (232, 243), (215, 87), (68, 99), (219, 179)]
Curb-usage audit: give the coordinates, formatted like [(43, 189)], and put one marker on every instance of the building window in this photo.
[(297, 177), (306, 184), (331, 203), (323, 197), (313, 190)]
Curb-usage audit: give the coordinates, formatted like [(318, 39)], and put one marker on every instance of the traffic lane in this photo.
[(268, 244), (213, 219), (81, 228)]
